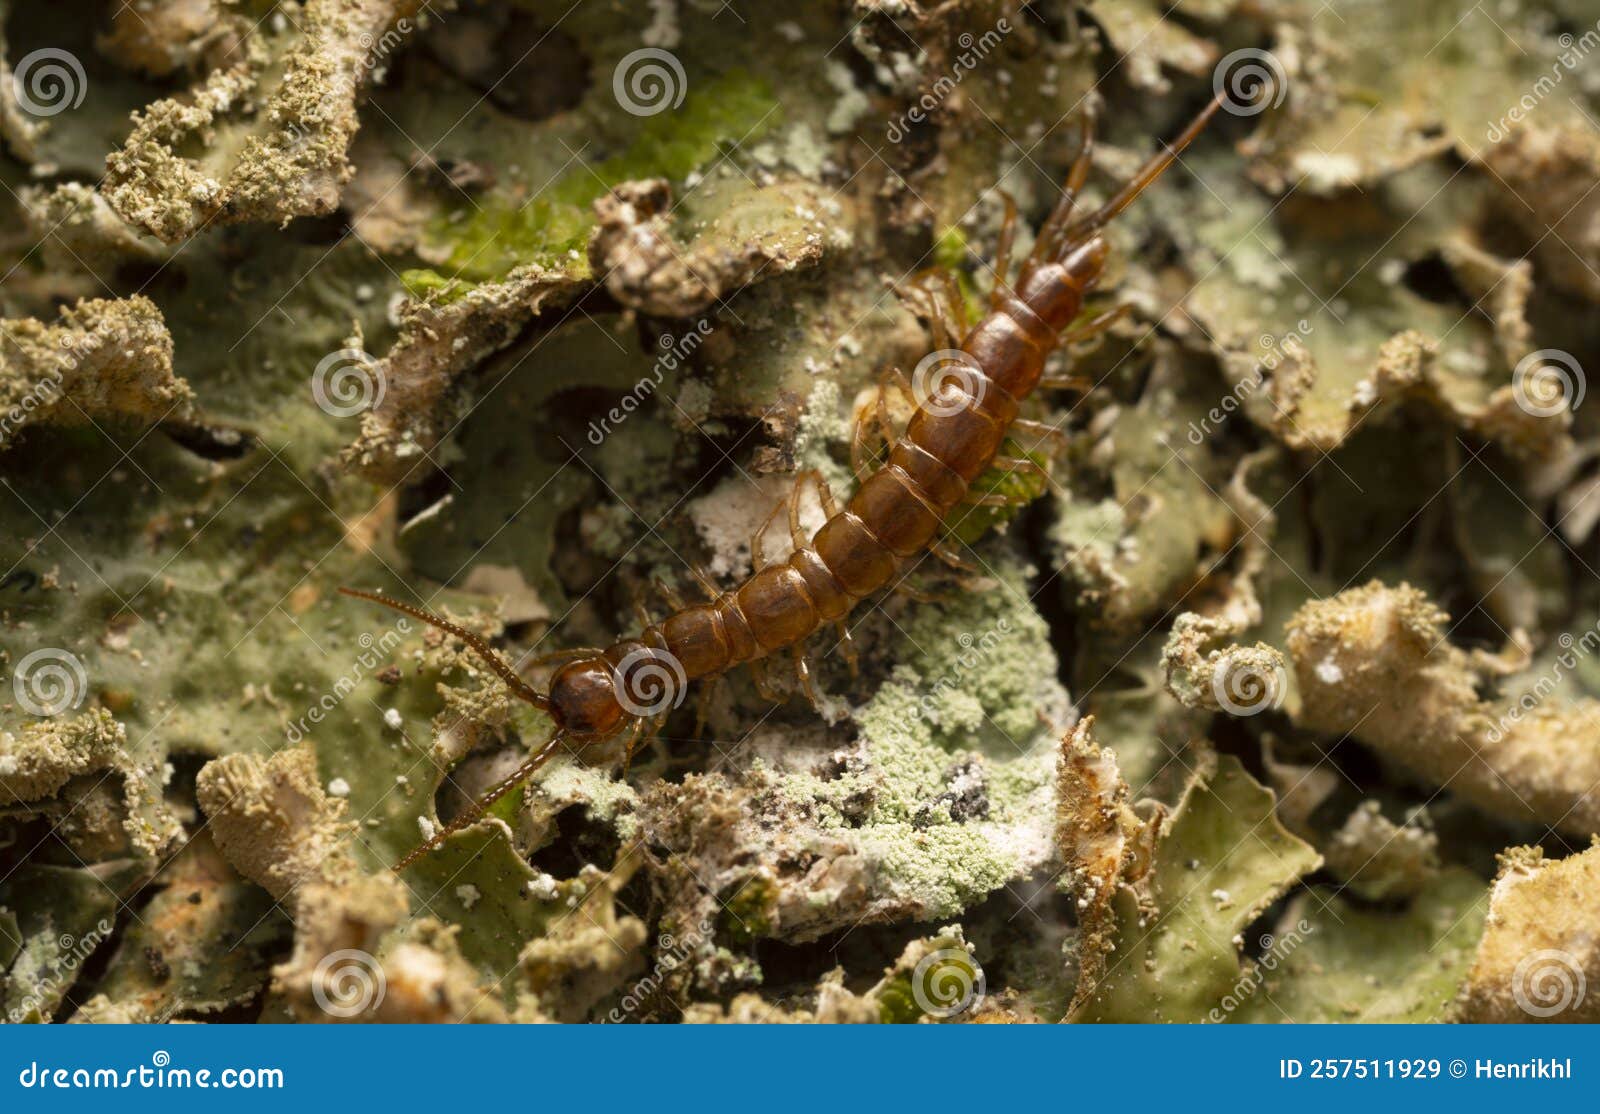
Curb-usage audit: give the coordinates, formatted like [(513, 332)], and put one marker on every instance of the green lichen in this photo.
[(552, 227)]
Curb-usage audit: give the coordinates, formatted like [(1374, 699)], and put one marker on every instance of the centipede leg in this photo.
[(956, 303), (797, 533), (847, 644), (898, 378), (1022, 464), (631, 744), (1001, 289), (557, 657), (757, 547), (763, 683), (947, 553), (1040, 430), (1096, 324), (937, 319), (702, 705), (1055, 224), (673, 600), (803, 672), (707, 585), (870, 427), (904, 587), (641, 613)]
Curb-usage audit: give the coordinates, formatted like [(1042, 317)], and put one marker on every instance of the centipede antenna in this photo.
[(478, 646), (1153, 169), (478, 807)]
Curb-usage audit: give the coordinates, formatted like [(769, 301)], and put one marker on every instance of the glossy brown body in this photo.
[(896, 513)]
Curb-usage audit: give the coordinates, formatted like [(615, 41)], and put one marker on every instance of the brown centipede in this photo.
[(968, 400)]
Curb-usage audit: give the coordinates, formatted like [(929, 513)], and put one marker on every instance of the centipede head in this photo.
[(583, 699)]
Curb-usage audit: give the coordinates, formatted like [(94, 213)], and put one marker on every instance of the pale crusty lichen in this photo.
[(273, 819), (1379, 860), (643, 265), (289, 159), (1105, 845), (1377, 662), (831, 1003), (105, 359), (443, 337), (1539, 959), (50, 753)]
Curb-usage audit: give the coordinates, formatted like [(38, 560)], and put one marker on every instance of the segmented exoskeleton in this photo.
[(967, 402)]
